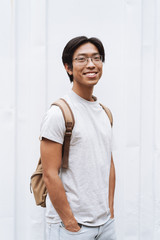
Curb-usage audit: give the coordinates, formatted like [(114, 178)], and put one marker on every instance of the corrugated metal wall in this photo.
[(32, 37)]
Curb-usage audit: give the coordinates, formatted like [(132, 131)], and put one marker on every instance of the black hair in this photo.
[(73, 44)]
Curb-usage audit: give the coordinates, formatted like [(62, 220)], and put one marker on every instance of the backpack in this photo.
[(37, 184)]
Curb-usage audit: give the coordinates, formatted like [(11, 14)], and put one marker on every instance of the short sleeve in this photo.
[(53, 125)]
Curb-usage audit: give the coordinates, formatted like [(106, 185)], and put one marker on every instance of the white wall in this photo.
[(32, 37)]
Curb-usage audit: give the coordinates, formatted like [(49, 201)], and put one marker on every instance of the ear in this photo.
[(68, 69)]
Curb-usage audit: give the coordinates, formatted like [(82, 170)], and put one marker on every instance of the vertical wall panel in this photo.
[(157, 128), (37, 103), (147, 197), (132, 73), (22, 106), (7, 121), (127, 122), (31, 73)]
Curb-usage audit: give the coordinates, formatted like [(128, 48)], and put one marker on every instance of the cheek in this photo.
[(77, 71), (100, 71)]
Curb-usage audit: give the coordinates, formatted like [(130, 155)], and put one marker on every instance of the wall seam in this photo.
[(140, 154), (16, 115), (46, 73), (46, 60), (154, 114)]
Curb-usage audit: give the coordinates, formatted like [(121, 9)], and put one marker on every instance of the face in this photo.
[(86, 74)]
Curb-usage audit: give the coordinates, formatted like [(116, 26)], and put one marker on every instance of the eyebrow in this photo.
[(85, 54)]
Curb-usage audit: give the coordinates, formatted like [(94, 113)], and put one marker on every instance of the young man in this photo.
[(80, 199)]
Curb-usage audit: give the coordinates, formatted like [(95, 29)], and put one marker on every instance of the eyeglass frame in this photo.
[(92, 59)]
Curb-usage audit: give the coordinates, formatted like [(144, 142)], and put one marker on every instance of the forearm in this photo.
[(112, 180), (59, 200)]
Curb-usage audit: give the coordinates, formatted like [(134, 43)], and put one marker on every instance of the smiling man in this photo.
[(80, 200)]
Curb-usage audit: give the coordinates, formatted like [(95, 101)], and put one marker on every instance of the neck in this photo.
[(85, 93)]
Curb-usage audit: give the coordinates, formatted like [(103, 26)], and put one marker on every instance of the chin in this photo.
[(92, 82)]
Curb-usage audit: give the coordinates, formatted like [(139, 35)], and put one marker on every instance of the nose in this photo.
[(90, 63)]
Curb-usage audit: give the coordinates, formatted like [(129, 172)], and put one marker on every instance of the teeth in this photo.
[(90, 74)]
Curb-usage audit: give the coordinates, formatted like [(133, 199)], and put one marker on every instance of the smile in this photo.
[(90, 74)]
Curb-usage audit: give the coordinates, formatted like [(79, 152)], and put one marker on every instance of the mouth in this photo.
[(90, 74)]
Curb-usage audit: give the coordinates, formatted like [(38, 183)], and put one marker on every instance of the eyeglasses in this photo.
[(96, 59)]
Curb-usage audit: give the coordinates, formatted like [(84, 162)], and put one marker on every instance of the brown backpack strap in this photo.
[(108, 113), (69, 123)]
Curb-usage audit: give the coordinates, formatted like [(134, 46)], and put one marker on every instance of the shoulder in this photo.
[(53, 116), (53, 125), (56, 109), (54, 112)]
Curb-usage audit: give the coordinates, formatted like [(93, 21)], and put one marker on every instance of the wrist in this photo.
[(70, 223), (112, 212)]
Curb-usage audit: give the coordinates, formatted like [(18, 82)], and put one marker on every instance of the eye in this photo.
[(81, 59), (97, 58)]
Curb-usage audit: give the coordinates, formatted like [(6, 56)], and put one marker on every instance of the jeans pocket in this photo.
[(69, 232)]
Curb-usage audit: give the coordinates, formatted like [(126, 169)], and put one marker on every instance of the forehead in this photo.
[(87, 49)]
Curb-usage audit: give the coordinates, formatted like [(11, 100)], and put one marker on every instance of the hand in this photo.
[(73, 228), (112, 216)]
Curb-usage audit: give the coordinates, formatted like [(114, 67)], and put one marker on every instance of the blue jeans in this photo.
[(56, 231)]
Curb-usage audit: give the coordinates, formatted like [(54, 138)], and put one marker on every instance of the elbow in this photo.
[(50, 177)]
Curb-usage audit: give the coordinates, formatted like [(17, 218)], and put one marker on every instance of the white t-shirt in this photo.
[(86, 181)]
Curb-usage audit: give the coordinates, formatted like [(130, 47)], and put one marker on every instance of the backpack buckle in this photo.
[(69, 128), (68, 133)]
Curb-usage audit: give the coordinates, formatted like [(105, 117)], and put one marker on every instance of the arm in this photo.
[(51, 155), (112, 187)]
